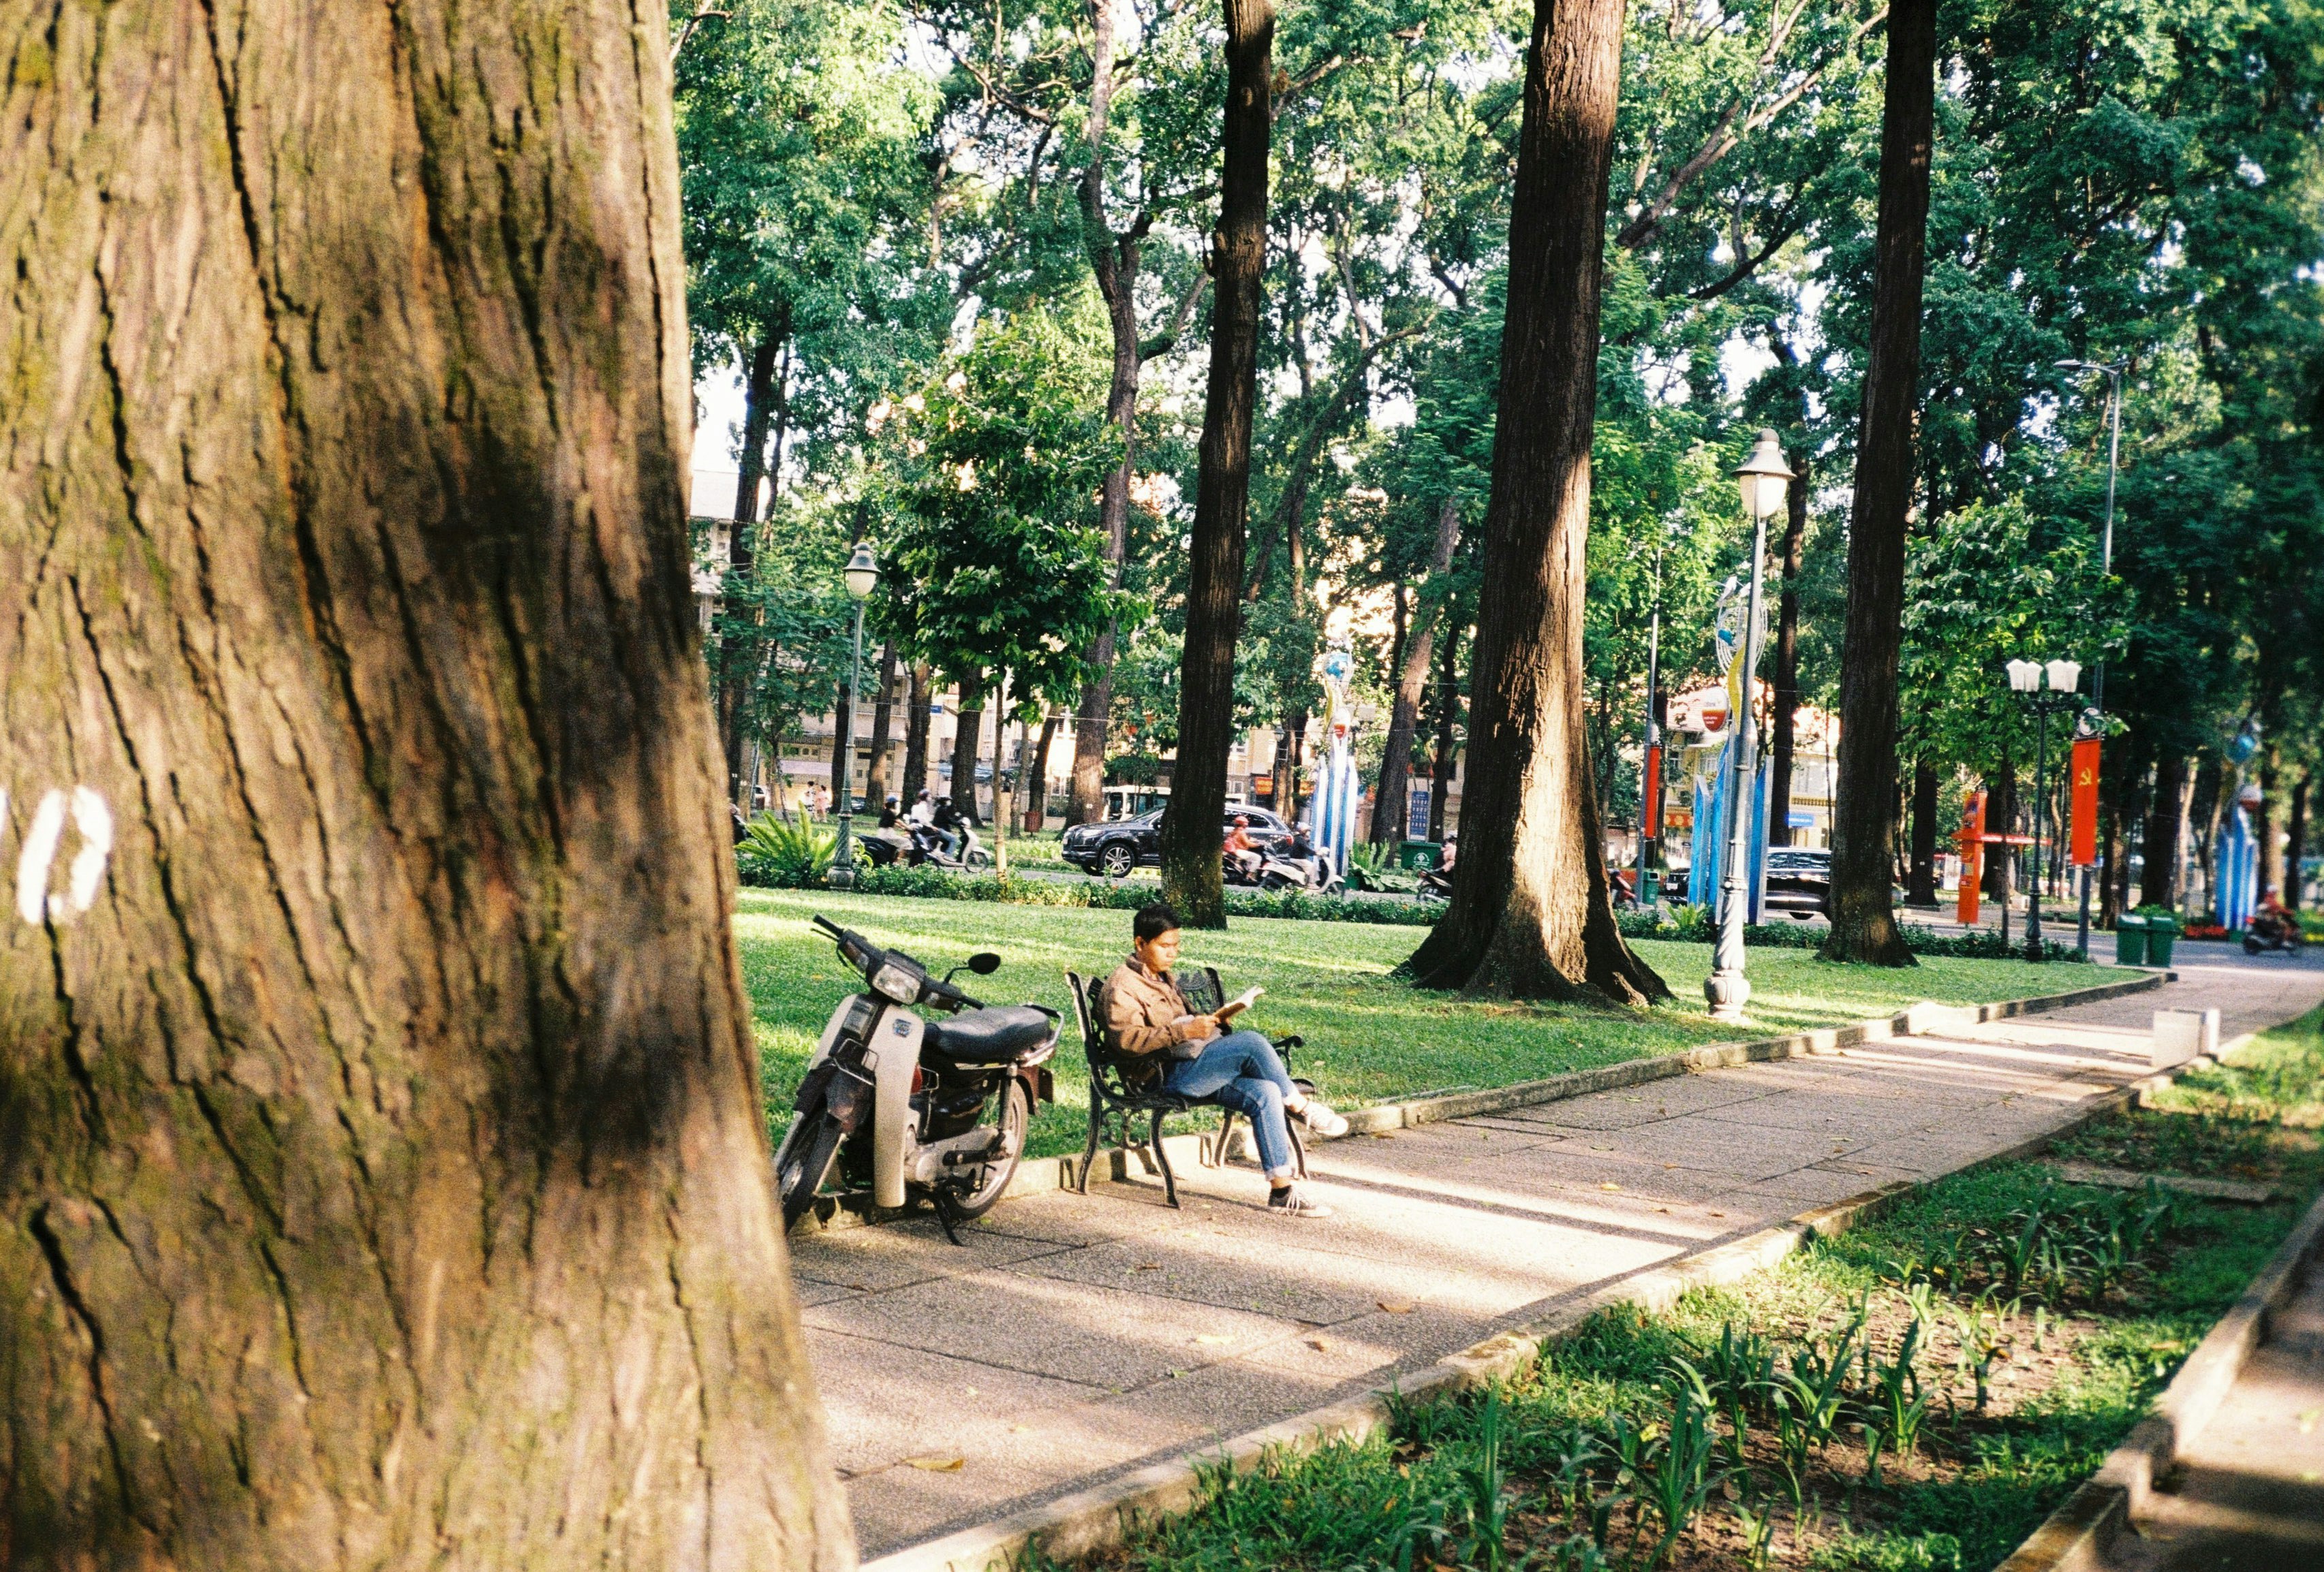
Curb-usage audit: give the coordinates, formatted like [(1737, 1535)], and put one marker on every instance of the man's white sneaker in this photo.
[(1322, 1120)]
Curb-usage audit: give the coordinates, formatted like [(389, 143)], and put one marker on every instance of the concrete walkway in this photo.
[(1074, 1338), (2249, 1493)]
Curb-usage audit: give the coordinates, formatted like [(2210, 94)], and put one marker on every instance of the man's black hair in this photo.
[(1152, 922)]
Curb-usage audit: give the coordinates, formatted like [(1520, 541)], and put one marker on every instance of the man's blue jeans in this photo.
[(1242, 1071)]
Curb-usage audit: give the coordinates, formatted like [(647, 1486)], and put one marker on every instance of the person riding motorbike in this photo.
[(947, 822), (889, 817), (1243, 852)]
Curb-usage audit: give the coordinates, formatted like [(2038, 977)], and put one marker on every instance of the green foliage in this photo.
[(1692, 924), (987, 495), (791, 855)]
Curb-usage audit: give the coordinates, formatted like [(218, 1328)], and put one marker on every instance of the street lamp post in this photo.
[(1650, 886), (2114, 374), (862, 576), (2026, 678), (1763, 478)]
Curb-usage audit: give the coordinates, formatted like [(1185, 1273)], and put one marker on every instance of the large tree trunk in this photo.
[(1921, 884), (383, 1178), (2295, 826), (1419, 655), (916, 737), (1036, 800), (1864, 810), (1198, 785), (2263, 822), (1787, 654), (876, 790), (2162, 833), (1531, 914), (1448, 716), (967, 744), (740, 662)]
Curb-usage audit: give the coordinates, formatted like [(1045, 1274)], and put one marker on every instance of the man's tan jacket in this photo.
[(1143, 1011)]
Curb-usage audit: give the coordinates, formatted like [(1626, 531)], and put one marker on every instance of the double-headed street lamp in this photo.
[(2026, 680), (862, 574), (2114, 374), (1764, 476)]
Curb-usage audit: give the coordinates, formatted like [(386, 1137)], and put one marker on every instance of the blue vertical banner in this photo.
[(1713, 832), (2237, 870)]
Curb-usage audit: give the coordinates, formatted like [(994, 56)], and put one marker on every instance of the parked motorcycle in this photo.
[(1280, 870), (2273, 931), (909, 1107)]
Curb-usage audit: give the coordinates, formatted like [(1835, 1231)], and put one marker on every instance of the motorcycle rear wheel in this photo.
[(802, 1164), (1013, 1118)]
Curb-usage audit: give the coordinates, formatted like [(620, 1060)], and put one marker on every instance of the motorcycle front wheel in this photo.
[(1013, 1118), (803, 1163)]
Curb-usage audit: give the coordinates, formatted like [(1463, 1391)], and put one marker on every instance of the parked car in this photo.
[(1799, 882), (1115, 848)]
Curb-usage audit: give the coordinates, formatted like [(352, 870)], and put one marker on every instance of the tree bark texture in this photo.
[(1448, 716), (1921, 882), (383, 1180), (876, 790), (2000, 819), (742, 550), (1412, 685), (1036, 796), (2162, 833), (2295, 826), (1114, 262), (915, 738), (967, 744), (1531, 914), (1787, 654), (1864, 809), (2263, 822), (1198, 785)]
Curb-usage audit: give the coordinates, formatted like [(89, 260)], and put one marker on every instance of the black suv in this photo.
[(1115, 848), (1799, 881)]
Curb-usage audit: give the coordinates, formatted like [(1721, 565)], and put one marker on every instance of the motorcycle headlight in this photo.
[(897, 983)]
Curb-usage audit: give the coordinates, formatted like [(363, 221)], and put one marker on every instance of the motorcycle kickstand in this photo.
[(945, 1208)]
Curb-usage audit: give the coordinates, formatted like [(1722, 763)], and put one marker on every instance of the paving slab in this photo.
[(1075, 1339)]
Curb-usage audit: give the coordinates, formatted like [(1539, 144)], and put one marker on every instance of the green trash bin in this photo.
[(1415, 855), (2161, 932), (2130, 939)]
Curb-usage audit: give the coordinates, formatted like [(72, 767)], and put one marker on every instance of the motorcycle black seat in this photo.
[(988, 1037)]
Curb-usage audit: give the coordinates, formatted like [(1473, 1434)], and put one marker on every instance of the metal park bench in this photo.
[(1122, 1087)]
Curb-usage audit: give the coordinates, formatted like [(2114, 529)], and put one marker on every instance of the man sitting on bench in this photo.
[(1145, 1014)]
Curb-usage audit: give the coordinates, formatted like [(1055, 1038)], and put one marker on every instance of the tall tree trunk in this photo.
[(1531, 914), (1787, 654), (1419, 655), (1448, 716), (1864, 810), (2295, 826), (967, 747), (1037, 809), (1198, 785), (2000, 816), (383, 1177), (915, 772), (2204, 813), (1114, 262), (2162, 832), (876, 790), (2263, 822), (1921, 887), (1386, 820), (740, 663)]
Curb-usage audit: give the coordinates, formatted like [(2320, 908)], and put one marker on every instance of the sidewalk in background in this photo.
[(1076, 1338)]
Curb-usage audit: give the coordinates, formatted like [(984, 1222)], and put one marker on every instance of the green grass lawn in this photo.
[(1368, 1039)]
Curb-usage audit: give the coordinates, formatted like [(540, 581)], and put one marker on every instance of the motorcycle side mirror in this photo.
[(984, 963)]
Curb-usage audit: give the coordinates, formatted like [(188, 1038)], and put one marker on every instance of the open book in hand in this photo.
[(1238, 1004)]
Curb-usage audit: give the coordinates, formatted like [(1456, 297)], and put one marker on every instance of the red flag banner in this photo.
[(2086, 803), (1654, 814)]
